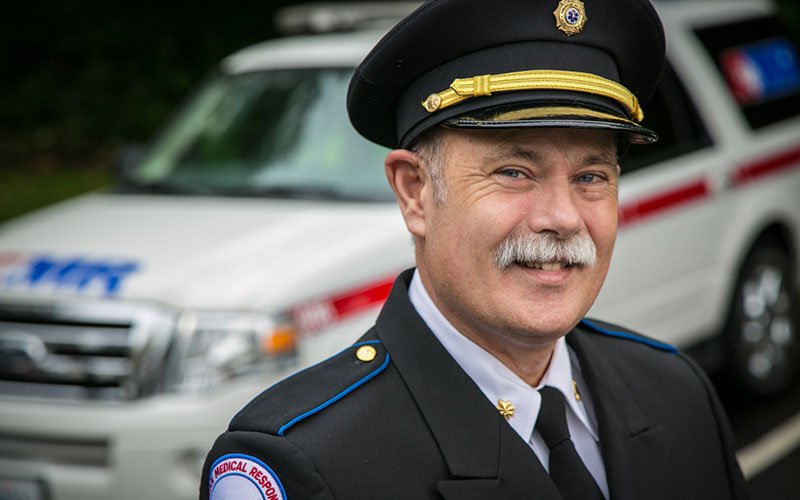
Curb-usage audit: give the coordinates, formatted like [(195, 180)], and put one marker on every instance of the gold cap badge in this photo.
[(570, 16)]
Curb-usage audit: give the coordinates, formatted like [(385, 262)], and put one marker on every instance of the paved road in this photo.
[(768, 437)]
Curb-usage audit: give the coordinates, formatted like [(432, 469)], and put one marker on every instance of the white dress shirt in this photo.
[(498, 382)]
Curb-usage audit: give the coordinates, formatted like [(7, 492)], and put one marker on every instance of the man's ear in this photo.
[(410, 185)]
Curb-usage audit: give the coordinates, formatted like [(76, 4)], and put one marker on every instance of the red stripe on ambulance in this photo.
[(646, 207), (361, 298), (777, 163), (317, 315), (699, 189)]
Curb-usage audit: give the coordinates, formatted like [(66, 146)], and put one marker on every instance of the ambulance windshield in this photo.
[(277, 133)]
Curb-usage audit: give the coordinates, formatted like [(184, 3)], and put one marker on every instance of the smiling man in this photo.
[(519, 250), (481, 378)]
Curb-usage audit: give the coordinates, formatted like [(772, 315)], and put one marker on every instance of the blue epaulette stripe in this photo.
[(339, 396), (623, 335)]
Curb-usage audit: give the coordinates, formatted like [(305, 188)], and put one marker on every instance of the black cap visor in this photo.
[(556, 117)]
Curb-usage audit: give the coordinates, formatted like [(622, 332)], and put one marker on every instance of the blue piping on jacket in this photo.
[(629, 336), (339, 396)]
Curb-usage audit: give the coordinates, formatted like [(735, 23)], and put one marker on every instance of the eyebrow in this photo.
[(517, 152), (601, 158)]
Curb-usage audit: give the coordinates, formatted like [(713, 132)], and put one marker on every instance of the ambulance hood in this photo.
[(198, 252)]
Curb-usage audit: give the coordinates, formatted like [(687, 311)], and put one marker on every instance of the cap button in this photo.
[(432, 102), (366, 353)]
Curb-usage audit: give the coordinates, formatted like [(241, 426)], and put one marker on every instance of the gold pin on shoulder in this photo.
[(366, 353), (575, 390), (570, 16), (505, 408)]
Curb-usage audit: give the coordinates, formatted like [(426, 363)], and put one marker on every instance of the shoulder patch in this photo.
[(312, 390), (243, 477), (618, 332)]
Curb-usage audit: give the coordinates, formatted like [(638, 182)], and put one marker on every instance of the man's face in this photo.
[(559, 183)]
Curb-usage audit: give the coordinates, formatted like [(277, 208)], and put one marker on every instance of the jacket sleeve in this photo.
[(738, 485), (260, 462)]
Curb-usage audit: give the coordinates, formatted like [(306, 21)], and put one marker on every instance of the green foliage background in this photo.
[(82, 77)]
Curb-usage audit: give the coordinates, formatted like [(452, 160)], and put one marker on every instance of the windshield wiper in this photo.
[(165, 186), (318, 193), (303, 193)]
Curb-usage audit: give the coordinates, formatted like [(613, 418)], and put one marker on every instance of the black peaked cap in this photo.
[(396, 91)]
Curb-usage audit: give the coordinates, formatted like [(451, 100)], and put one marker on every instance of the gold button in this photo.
[(366, 353), (432, 103)]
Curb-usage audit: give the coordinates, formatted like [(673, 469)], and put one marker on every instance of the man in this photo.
[(481, 378)]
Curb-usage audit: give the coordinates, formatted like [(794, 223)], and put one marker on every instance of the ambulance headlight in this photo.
[(212, 347)]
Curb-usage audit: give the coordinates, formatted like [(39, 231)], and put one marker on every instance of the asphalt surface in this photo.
[(767, 434)]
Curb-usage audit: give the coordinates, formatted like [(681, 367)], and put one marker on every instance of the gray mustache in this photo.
[(578, 249)]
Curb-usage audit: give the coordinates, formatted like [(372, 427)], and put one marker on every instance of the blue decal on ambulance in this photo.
[(66, 274)]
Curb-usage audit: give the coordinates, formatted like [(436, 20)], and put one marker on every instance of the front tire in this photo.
[(762, 330)]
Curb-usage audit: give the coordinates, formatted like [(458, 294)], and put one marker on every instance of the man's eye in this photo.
[(589, 178), (512, 173)]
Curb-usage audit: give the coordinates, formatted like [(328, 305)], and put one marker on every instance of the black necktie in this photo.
[(566, 467)]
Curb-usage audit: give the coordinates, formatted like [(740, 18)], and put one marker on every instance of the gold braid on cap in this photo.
[(466, 88)]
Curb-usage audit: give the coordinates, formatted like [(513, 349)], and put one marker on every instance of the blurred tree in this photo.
[(82, 76)]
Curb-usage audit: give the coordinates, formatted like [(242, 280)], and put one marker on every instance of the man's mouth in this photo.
[(545, 266)]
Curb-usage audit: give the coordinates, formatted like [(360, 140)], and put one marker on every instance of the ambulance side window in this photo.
[(673, 116), (759, 60)]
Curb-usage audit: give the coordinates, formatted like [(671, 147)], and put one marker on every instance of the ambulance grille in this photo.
[(103, 353)]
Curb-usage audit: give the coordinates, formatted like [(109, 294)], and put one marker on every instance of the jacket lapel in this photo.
[(635, 449), (486, 458)]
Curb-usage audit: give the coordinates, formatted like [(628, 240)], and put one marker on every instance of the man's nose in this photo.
[(553, 208)]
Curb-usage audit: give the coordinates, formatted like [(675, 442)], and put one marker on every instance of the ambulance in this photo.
[(257, 235)]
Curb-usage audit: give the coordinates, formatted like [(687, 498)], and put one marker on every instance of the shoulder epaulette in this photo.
[(312, 390), (619, 332)]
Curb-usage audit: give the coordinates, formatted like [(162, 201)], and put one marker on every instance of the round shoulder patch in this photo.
[(242, 477)]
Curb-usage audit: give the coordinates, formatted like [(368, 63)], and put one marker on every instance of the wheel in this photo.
[(762, 331)]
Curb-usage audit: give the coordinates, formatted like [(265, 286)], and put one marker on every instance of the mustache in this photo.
[(577, 250)]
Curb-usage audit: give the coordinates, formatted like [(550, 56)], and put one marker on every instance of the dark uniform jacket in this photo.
[(411, 424)]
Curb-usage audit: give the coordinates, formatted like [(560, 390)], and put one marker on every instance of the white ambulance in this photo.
[(258, 235)]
